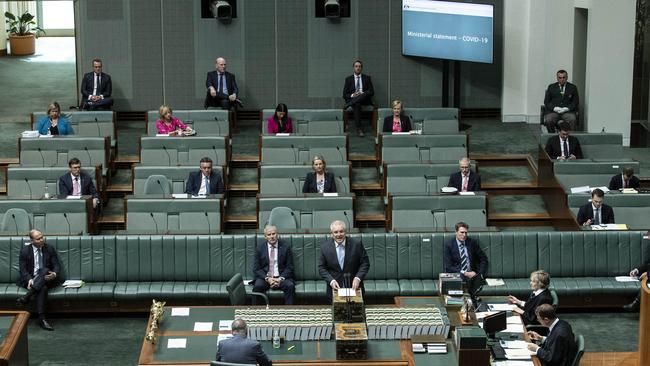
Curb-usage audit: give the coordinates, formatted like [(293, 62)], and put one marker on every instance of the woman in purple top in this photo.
[(280, 122), (168, 123)]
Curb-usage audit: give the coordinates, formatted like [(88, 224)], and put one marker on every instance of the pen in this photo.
[(290, 348)]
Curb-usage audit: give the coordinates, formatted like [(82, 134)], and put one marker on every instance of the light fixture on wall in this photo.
[(220, 9), (332, 9)]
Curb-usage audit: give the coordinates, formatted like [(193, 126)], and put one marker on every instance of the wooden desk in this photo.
[(14, 347)]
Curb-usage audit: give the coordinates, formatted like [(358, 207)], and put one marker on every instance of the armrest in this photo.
[(263, 296)]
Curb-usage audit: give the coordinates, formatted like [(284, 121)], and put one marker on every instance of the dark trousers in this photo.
[(220, 101), (105, 103), (287, 286), (39, 290), (356, 103)]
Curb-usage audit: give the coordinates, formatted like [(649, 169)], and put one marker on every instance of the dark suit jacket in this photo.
[(356, 261), (213, 80), (456, 181), (477, 258), (87, 186), (559, 348), (261, 260), (553, 98), (388, 123), (239, 349), (105, 87), (532, 303), (26, 264), (349, 88), (194, 183), (554, 150), (617, 182), (310, 183), (586, 212), (645, 266)]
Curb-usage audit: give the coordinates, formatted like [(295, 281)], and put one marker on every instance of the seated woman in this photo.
[(54, 123), (168, 123), (539, 282), (397, 122), (280, 122), (319, 181)]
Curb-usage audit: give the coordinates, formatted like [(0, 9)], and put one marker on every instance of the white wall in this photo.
[(3, 32), (538, 40)]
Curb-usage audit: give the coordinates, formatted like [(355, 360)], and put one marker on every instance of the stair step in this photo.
[(248, 187), (240, 158), (117, 188), (111, 219), (370, 217), (240, 219)]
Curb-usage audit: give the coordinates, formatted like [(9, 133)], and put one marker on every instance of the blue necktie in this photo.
[(464, 259), (340, 253), (207, 186), (220, 83)]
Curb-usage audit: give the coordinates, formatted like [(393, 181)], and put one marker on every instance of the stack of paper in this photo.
[(518, 353), (73, 283)]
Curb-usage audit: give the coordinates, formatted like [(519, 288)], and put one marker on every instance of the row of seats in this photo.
[(122, 270), (53, 216), (210, 122), (87, 123), (630, 209)]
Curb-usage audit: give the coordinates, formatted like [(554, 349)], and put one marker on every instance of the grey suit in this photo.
[(240, 349)]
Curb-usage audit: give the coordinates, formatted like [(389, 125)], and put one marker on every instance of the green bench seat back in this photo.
[(298, 150), (87, 123), (170, 151), (422, 148), (176, 175), (212, 122), (289, 179), (176, 216), (21, 181)]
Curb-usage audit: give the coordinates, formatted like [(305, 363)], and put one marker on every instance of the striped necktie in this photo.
[(464, 259)]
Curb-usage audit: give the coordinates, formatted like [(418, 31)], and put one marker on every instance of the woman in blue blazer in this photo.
[(319, 181), (54, 123)]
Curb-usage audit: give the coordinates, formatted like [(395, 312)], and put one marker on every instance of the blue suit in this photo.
[(86, 184), (63, 125), (285, 269), (240, 349), (478, 262), (194, 183)]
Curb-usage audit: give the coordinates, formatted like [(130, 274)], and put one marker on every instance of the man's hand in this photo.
[(356, 283), (334, 285), (513, 300), (634, 273), (213, 91), (518, 311), (532, 347), (534, 335), (50, 276), (470, 274), (232, 97), (557, 109), (587, 223), (95, 202), (29, 284), (572, 157)]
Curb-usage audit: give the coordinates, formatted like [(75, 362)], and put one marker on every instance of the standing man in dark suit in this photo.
[(205, 181), (240, 349), (626, 179), (559, 348), (77, 183), (596, 212), (357, 92), (341, 256), (273, 265), (561, 102), (463, 255), (96, 88), (465, 180), (564, 146), (222, 87), (39, 271)]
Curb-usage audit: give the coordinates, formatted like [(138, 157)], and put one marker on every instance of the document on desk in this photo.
[(514, 344), (203, 326), (177, 343), (514, 328), (626, 279), (518, 353), (501, 307), (495, 282), (347, 292), (180, 311), (513, 319), (482, 314), (225, 324), (514, 363)]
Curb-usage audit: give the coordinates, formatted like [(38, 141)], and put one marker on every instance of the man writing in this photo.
[(273, 265), (564, 146), (240, 349), (559, 348), (342, 255), (38, 271), (596, 212)]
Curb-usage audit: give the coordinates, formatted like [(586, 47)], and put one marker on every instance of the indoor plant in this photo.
[(22, 33)]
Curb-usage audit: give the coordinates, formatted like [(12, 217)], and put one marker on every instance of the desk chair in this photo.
[(580, 341), (237, 291), (283, 218), (221, 363), (16, 221)]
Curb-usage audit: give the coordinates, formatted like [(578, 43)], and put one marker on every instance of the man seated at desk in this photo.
[(463, 255), (240, 349), (626, 179), (77, 183), (465, 180), (559, 348), (564, 146), (596, 212), (273, 265), (205, 181)]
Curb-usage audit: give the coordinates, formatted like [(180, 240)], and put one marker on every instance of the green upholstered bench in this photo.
[(30, 182), (52, 217), (176, 177), (87, 123), (401, 148), (170, 151), (630, 209), (310, 211), (289, 179), (595, 145), (421, 213), (211, 122), (58, 150), (419, 178), (589, 173), (299, 150), (314, 122), (149, 215)]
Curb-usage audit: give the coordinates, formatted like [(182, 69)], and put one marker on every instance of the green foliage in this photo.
[(22, 25)]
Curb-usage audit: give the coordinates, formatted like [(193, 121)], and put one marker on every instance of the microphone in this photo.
[(90, 158), (154, 221), (65, 216), (345, 213), (97, 125), (218, 125), (426, 184), (293, 183), (42, 157), (341, 154), (344, 185), (169, 157), (339, 125), (162, 190), (207, 219), (216, 154), (435, 221), (295, 156), (294, 219), (29, 186), (13, 216)]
